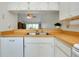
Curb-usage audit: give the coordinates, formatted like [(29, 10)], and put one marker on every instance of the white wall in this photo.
[(7, 20), (47, 18)]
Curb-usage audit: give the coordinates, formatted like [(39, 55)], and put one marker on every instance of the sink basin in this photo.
[(32, 33), (44, 33)]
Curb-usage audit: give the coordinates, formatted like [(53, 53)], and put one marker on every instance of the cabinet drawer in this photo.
[(65, 48), (39, 39)]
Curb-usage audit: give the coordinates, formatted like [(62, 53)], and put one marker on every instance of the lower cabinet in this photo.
[(59, 52), (46, 50), (62, 49), (39, 47), (33, 47), (11, 46), (31, 50)]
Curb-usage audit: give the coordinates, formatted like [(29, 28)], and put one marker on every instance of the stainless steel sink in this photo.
[(31, 33)]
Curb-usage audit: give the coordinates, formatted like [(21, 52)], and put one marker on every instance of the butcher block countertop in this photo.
[(68, 37), (22, 33)]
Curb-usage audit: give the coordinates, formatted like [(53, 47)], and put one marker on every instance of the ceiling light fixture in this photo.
[(29, 13)]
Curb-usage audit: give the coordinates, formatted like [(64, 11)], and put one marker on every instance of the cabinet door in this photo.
[(46, 50), (38, 6), (46, 47), (52, 5), (39, 47), (62, 47), (74, 6), (18, 6), (74, 9), (64, 10), (59, 53), (12, 47), (32, 50)]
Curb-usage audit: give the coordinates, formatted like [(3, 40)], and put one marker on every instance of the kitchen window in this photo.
[(32, 26)]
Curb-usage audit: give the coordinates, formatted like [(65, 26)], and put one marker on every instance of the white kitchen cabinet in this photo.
[(59, 53), (8, 21), (28, 6), (46, 50), (64, 9), (39, 47), (68, 9), (31, 50), (33, 6), (38, 6), (18, 6), (53, 6), (74, 6), (11, 46), (47, 47), (62, 49), (30, 47), (74, 9)]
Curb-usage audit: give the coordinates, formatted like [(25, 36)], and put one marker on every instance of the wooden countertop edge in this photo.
[(27, 36), (65, 42)]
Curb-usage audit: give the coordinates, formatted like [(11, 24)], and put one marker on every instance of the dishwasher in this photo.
[(75, 50)]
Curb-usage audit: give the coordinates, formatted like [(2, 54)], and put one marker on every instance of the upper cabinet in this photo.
[(18, 6), (53, 6), (38, 6), (68, 9), (74, 5), (74, 8), (64, 9), (33, 6)]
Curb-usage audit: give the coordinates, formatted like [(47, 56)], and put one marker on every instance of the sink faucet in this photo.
[(37, 32)]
